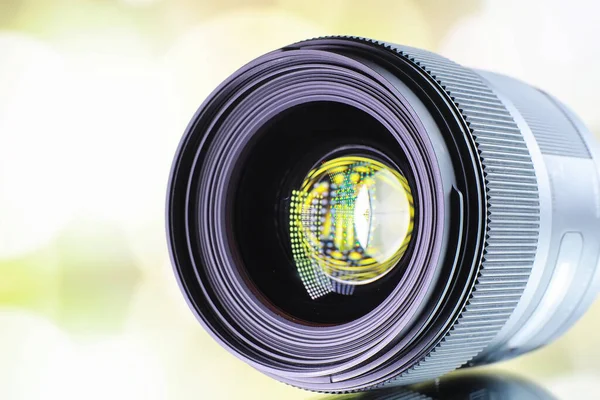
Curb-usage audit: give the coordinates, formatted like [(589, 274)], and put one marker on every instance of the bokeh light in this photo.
[(543, 42), (35, 168)]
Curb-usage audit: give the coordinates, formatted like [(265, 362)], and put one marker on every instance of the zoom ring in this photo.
[(512, 216)]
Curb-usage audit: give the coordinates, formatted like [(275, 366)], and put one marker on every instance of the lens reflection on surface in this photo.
[(350, 223), (460, 386)]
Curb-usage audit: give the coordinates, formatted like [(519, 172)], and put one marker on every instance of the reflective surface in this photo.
[(461, 386)]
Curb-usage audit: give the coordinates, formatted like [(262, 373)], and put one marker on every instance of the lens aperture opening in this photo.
[(351, 222)]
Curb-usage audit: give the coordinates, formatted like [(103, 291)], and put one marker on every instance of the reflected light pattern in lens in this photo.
[(350, 223)]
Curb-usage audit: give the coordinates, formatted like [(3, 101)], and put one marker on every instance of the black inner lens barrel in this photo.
[(284, 151)]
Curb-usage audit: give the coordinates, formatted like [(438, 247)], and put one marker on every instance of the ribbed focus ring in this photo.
[(512, 216)]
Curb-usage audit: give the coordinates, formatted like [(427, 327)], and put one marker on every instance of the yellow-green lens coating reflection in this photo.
[(351, 221)]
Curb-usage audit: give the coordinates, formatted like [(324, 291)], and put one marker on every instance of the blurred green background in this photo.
[(94, 96)]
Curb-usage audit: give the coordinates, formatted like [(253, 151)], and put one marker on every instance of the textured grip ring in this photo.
[(513, 215)]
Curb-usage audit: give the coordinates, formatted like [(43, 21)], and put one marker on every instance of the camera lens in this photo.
[(344, 213)]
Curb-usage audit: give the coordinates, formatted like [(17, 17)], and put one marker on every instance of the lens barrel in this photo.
[(504, 245)]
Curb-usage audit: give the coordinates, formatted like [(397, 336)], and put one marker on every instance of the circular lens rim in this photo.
[(427, 190), (208, 312)]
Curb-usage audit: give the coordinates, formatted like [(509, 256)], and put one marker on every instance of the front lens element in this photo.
[(351, 221)]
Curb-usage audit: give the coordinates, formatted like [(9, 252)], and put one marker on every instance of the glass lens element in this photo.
[(351, 221)]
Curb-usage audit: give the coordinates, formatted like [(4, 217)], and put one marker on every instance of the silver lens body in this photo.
[(540, 269), (565, 276)]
